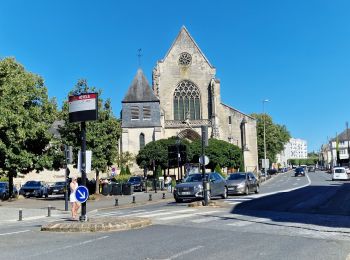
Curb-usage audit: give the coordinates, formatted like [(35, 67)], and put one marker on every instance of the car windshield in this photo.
[(236, 176), (60, 183), (32, 183), (194, 178), (135, 179), (299, 170), (339, 170), (2, 185)]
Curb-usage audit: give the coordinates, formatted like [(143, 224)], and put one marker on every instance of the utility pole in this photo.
[(347, 137), (264, 115), (205, 181), (83, 216)]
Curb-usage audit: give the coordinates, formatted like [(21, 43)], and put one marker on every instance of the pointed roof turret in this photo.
[(140, 90)]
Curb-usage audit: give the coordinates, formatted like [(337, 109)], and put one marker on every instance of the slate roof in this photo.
[(139, 90), (341, 137)]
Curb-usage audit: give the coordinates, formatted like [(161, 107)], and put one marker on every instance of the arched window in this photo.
[(187, 101), (142, 140)]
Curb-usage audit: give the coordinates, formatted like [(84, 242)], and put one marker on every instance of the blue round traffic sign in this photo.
[(82, 194)]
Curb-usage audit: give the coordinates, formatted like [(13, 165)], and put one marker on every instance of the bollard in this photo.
[(49, 211), (20, 216), (116, 202), (133, 199), (163, 195), (150, 197)]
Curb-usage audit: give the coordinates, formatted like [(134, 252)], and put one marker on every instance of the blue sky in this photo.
[(295, 53)]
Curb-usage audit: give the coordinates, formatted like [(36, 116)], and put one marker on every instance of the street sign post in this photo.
[(82, 194)]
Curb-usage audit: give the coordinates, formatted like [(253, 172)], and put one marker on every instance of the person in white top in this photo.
[(73, 200)]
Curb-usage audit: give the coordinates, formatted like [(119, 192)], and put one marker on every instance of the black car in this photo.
[(57, 188), (34, 188), (137, 182), (5, 190), (300, 171)]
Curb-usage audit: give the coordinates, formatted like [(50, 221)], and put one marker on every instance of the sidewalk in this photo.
[(33, 208)]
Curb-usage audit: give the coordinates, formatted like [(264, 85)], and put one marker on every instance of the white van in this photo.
[(339, 173)]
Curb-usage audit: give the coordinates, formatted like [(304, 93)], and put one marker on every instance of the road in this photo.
[(291, 218)]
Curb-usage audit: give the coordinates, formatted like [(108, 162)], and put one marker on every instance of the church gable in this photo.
[(185, 50)]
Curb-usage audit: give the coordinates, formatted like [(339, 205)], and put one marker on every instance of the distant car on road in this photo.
[(192, 187), (137, 182), (57, 188), (242, 183), (311, 168), (300, 171), (339, 173), (34, 188)]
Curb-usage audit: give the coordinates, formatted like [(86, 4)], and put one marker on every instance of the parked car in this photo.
[(271, 171), (57, 188), (300, 171), (137, 182), (311, 168), (242, 183), (339, 173), (192, 187), (5, 190), (34, 188)]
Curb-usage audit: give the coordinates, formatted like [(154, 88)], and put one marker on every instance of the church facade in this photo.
[(185, 95)]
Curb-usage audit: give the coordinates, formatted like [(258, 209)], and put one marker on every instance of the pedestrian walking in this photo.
[(73, 200)]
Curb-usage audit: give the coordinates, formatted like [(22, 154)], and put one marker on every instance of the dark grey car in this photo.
[(242, 183), (192, 187)]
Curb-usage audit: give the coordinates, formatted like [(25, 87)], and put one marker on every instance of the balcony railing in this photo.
[(182, 124)]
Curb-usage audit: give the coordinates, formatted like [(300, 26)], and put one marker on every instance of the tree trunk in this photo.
[(97, 191)]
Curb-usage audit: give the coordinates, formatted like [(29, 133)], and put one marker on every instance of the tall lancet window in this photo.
[(187, 101), (142, 140)]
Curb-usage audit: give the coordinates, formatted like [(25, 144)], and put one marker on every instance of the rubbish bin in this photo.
[(127, 189), (105, 189), (116, 189)]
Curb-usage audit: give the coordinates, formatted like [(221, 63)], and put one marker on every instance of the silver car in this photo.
[(192, 187), (242, 183)]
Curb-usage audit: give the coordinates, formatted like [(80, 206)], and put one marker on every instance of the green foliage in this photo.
[(219, 170), (4, 178), (102, 135), (26, 115), (276, 137), (123, 178), (122, 171), (219, 152), (125, 158), (158, 172), (127, 170)]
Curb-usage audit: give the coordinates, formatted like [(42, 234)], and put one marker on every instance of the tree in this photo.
[(219, 152), (26, 115), (276, 137), (102, 135)]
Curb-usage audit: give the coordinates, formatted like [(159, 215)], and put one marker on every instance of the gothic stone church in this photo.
[(185, 95)]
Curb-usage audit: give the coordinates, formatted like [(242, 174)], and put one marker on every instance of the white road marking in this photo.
[(204, 220), (185, 252), (69, 246), (167, 213), (188, 215), (240, 223), (13, 233)]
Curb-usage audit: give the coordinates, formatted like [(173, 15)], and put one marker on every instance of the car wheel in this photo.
[(246, 190), (46, 195), (257, 189), (3, 196), (224, 196), (178, 200)]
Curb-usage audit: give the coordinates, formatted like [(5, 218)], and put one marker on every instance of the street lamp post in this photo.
[(264, 101)]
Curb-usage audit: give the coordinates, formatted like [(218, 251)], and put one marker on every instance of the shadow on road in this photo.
[(317, 205)]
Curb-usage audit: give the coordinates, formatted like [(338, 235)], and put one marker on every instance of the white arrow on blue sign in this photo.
[(82, 194)]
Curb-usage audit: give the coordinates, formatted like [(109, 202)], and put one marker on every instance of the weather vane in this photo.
[(139, 55)]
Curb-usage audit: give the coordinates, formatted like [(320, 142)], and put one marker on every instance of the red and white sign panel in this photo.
[(83, 107)]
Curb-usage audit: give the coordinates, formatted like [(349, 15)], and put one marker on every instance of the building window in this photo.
[(185, 59), (187, 101), (135, 113), (142, 140), (147, 113), (229, 120)]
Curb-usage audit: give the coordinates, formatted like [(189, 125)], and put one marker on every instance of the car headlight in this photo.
[(241, 185), (198, 188)]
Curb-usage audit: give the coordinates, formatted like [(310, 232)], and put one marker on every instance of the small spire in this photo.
[(139, 55)]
